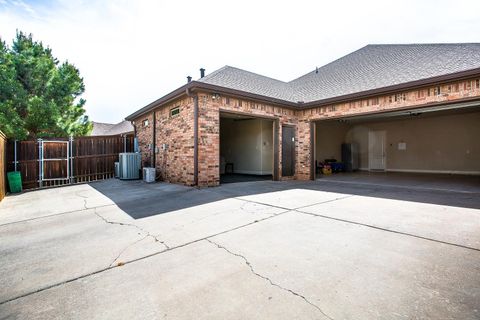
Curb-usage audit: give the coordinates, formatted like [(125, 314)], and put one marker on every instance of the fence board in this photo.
[(92, 158), (3, 150)]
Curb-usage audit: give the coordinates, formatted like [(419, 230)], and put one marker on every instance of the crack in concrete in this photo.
[(252, 270), (125, 249), (79, 195), (136, 259), (147, 233)]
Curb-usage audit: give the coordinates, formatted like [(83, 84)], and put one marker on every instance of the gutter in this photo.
[(154, 139)]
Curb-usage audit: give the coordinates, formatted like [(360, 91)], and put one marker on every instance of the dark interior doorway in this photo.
[(288, 151), (246, 148)]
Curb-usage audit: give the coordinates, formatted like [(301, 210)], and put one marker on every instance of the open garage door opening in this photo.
[(246, 148), (440, 140)]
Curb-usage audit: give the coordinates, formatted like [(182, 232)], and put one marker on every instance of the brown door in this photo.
[(288, 151)]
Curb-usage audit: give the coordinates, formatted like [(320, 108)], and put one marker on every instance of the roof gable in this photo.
[(371, 67), (379, 66)]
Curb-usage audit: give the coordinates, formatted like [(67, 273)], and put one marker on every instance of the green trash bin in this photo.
[(14, 181)]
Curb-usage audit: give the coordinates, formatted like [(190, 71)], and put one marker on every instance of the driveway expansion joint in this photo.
[(387, 230), (136, 259), (252, 270)]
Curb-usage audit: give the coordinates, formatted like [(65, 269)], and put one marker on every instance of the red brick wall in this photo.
[(209, 133), (449, 92), (175, 164), (144, 136), (174, 141)]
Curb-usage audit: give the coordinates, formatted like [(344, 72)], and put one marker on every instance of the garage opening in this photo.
[(441, 140), (246, 148)]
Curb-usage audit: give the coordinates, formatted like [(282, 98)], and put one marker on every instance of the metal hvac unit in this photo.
[(129, 165)]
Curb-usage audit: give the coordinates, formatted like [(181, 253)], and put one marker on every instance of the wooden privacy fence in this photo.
[(3, 142), (52, 162)]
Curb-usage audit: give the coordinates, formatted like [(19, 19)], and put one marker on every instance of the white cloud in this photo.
[(132, 52)]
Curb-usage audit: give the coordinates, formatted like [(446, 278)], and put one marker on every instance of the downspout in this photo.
[(195, 136), (135, 139), (154, 135)]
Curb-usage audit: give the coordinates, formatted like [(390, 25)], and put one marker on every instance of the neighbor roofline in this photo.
[(198, 86)]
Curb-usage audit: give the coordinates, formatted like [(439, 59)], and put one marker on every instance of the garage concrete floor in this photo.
[(341, 247)]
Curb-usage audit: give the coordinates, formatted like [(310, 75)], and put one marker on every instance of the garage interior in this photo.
[(442, 140), (246, 148)]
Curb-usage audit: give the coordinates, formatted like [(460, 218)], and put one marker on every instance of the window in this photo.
[(145, 122), (175, 112), (400, 97), (375, 101), (227, 100), (477, 83), (437, 91)]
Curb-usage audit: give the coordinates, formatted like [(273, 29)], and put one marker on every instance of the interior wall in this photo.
[(447, 143), (329, 138), (248, 144)]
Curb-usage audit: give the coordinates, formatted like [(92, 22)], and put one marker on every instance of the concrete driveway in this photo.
[(337, 248)]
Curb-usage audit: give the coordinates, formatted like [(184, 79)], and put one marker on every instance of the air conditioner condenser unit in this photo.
[(129, 165)]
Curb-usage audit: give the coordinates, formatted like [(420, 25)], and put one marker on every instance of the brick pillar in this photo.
[(208, 142), (304, 152)]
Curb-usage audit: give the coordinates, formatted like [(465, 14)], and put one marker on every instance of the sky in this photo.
[(131, 53)]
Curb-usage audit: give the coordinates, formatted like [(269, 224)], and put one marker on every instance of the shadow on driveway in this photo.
[(140, 200)]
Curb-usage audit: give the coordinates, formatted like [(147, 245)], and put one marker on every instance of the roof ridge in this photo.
[(257, 74), (111, 124), (213, 73), (331, 62)]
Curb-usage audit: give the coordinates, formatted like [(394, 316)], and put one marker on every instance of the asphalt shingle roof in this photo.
[(234, 78), (371, 67), (110, 129)]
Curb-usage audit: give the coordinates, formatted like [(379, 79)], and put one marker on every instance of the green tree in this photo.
[(39, 97)]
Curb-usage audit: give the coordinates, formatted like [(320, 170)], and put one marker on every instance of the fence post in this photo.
[(15, 155), (70, 145), (40, 163)]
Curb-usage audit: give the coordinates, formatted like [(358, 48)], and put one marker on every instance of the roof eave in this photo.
[(169, 97), (198, 86), (394, 88)]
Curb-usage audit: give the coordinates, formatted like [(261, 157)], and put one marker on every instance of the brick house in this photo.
[(411, 108)]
